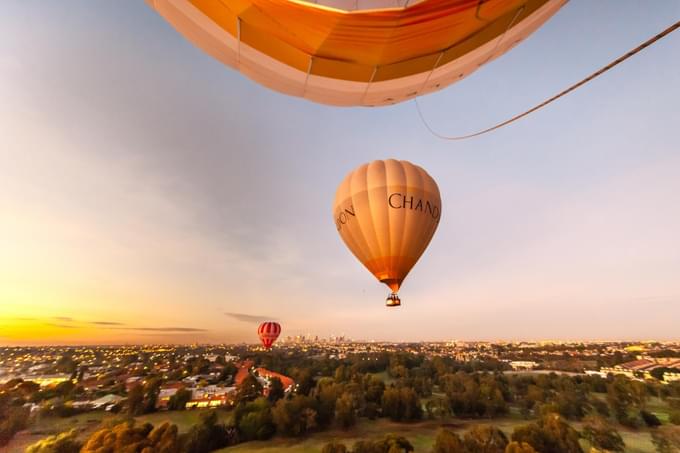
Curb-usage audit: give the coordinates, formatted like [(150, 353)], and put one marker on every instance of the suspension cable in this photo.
[(592, 76)]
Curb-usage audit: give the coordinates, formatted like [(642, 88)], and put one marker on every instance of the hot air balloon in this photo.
[(356, 52), (386, 212), (268, 332)]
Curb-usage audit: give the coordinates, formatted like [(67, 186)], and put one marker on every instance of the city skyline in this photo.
[(150, 194)]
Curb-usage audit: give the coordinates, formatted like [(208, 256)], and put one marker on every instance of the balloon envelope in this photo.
[(356, 52), (268, 332), (386, 213)]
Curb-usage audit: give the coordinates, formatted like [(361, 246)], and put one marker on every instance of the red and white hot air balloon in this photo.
[(268, 332)]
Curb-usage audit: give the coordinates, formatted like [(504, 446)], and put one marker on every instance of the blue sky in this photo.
[(144, 183)]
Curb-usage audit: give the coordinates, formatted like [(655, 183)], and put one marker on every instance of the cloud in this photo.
[(97, 323), (249, 318), (63, 318), (61, 326), (161, 329), (169, 329)]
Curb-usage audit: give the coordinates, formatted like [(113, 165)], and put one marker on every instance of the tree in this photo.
[(392, 443), (151, 391), (304, 380), (28, 388), (601, 434), (401, 404), (64, 388), (179, 400), (65, 364), (550, 434), (164, 439), (249, 389), (485, 439), (674, 416), (625, 396), (437, 408), (650, 419), (519, 447), (66, 442), (126, 437), (365, 446), (448, 442), (666, 439), (374, 388), (254, 420), (295, 416), (334, 447), (12, 420), (345, 412), (135, 400), (276, 391), (659, 372), (327, 393), (475, 395), (208, 435), (342, 374)]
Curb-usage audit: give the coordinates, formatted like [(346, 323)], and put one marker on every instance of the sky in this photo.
[(149, 194)]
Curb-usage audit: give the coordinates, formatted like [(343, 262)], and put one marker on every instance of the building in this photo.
[(211, 396), (47, 380), (523, 365), (669, 377), (166, 392)]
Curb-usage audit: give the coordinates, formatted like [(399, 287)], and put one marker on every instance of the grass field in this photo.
[(421, 434), (385, 377)]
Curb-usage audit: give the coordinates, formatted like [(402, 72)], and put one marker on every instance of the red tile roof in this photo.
[(639, 365), (243, 371), (285, 380)]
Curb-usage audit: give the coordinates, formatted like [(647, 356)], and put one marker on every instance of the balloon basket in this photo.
[(393, 300)]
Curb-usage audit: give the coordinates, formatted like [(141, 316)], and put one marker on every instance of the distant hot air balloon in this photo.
[(387, 211), (356, 52), (268, 332)]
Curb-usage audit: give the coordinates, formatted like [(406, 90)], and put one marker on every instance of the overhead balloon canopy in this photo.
[(356, 52), (386, 212)]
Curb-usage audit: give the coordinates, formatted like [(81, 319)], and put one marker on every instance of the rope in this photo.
[(592, 76)]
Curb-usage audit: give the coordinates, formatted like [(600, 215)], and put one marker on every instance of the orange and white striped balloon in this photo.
[(386, 212), (356, 52), (268, 332)]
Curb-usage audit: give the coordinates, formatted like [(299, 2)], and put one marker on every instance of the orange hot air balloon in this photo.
[(356, 52), (387, 211), (268, 332)]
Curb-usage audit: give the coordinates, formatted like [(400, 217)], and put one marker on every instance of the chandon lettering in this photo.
[(343, 217), (401, 201)]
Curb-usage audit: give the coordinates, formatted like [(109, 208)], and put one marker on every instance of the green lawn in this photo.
[(421, 434), (183, 419), (43, 427), (659, 408), (385, 377)]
